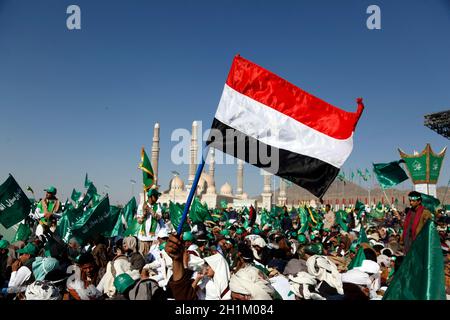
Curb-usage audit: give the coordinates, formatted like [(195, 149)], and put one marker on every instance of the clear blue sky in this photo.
[(73, 102)]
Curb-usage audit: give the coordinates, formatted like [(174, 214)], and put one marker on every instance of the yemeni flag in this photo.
[(274, 125), (148, 176)]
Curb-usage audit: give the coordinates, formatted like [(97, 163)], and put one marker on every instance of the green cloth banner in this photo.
[(430, 202), (68, 218), (14, 204), (94, 221), (358, 259), (389, 174), (198, 212), (147, 171), (129, 211), (176, 212), (341, 218), (114, 221), (23, 233), (421, 274)]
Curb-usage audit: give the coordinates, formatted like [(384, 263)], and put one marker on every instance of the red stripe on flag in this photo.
[(271, 90)]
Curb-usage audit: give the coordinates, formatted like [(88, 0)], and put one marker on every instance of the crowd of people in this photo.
[(248, 254)]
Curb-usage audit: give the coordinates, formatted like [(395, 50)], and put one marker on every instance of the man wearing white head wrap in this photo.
[(216, 286), (373, 270), (300, 286), (249, 284), (129, 244), (325, 270), (258, 242), (367, 275), (356, 276), (42, 290)]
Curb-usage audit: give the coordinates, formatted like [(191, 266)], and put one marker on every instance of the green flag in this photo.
[(360, 207), (389, 174), (96, 199), (23, 233), (341, 217), (421, 274), (430, 202), (147, 171), (114, 222), (198, 212), (87, 182), (358, 259), (68, 218), (362, 236), (176, 212), (14, 204), (129, 211), (223, 204), (303, 219), (91, 194), (94, 221), (341, 176), (133, 228), (76, 196)]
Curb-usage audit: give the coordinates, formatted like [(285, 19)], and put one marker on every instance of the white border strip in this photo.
[(279, 130)]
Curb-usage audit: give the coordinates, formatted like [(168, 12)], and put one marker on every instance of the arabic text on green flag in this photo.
[(94, 221), (14, 204)]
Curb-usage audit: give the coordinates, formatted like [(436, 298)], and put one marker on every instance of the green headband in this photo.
[(415, 198)]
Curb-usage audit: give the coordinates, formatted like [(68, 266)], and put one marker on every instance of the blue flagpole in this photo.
[(191, 195)]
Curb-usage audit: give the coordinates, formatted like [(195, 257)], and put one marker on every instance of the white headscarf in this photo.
[(325, 270), (130, 242), (42, 290), (356, 276), (369, 266), (249, 281), (300, 286), (219, 283), (260, 243)]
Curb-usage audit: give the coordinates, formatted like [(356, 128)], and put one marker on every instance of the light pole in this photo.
[(133, 182)]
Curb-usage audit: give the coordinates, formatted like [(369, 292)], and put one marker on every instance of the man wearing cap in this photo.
[(45, 210), (415, 220), (22, 273), (148, 216), (48, 206)]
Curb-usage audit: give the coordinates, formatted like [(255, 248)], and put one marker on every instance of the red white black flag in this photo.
[(268, 122)]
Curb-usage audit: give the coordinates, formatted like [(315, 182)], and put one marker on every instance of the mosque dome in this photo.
[(226, 189), (177, 184)]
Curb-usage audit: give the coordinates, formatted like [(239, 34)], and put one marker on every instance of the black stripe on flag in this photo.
[(310, 173)]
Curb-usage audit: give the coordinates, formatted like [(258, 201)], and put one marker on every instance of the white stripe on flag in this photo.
[(279, 130)]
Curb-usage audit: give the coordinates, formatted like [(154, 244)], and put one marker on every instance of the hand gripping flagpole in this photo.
[(191, 194)]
